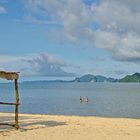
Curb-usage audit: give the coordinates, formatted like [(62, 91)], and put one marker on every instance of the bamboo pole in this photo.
[(17, 104)]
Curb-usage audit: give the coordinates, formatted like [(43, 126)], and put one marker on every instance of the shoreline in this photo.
[(96, 116), (60, 127)]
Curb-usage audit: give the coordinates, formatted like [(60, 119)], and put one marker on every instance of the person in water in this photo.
[(87, 99), (81, 99)]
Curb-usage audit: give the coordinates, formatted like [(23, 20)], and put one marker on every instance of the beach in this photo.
[(57, 127)]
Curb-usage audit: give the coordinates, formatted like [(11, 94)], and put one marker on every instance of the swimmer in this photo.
[(87, 99), (80, 99)]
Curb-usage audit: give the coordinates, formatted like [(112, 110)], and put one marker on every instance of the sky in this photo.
[(70, 38)]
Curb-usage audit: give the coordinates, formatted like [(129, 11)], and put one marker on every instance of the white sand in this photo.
[(51, 127)]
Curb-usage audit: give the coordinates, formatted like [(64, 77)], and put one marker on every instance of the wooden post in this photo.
[(17, 104)]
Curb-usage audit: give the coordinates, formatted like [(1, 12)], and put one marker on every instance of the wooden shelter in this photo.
[(12, 76)]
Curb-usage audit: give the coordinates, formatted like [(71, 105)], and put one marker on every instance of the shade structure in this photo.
[(12, 76)]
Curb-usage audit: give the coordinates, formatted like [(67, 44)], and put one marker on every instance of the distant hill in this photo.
[(101, 78), (131, 78), (98, 78), (86, 78), (92, 78)]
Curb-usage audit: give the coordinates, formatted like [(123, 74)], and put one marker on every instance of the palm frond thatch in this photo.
[(9, 75)]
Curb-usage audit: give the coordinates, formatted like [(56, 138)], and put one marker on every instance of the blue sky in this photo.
[(69, 38)]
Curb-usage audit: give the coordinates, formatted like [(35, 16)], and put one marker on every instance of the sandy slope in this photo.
[(47, 127)]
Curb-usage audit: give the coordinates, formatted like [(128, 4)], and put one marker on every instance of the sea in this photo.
[(119, 100)]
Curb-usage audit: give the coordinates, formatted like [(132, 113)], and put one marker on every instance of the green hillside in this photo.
[(131, 78)]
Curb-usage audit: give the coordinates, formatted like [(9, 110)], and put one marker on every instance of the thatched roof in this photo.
[(9, 75)]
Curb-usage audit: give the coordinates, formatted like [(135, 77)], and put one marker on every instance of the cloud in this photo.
[(109, 24), (48, 65), (122, 47), (119, 31), (117, 15), (35, 64), (73, 15), (5, 58), (11, 62), (2, 10)]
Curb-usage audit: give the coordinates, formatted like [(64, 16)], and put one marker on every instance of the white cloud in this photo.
[(7, 58), (117, 24), (2, 10), (118, 16), (122, 47), (11, 62), (73, 15), (48, 65), (35, 64)]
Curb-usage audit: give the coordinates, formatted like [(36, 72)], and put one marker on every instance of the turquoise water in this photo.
[(105, 99)]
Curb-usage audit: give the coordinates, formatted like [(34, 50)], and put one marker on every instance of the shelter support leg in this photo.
[(17, 104)]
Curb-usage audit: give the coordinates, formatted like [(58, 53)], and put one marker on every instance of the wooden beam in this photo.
[(5, 103), (17, 104), (13, 125)]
